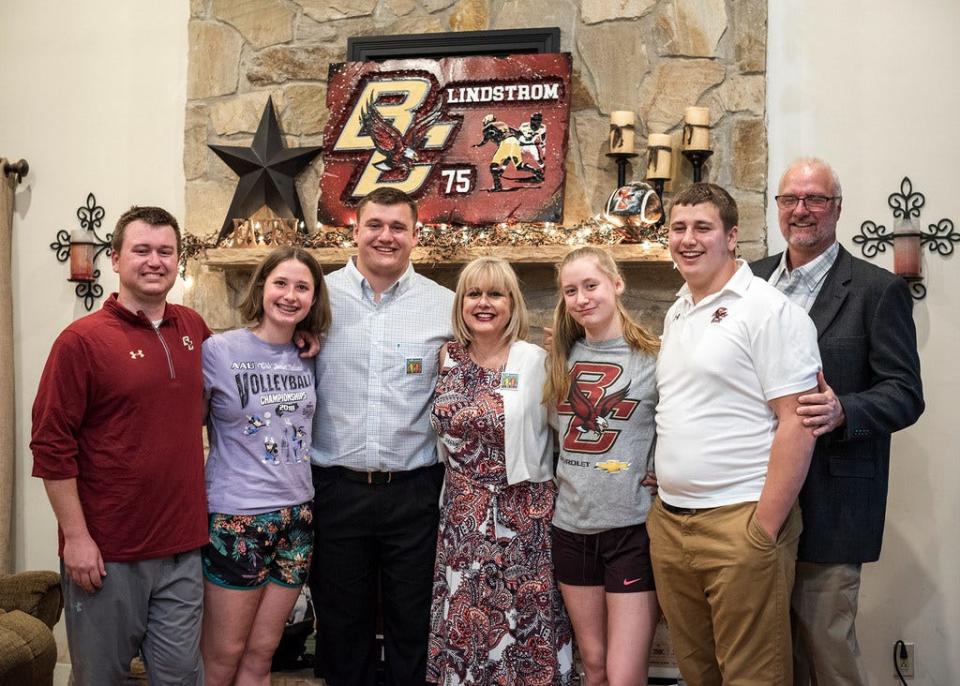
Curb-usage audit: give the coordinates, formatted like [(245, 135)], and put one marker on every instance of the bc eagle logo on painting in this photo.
[(410, 124)]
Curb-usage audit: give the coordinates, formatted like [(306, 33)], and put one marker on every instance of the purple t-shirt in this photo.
[(262, 399)]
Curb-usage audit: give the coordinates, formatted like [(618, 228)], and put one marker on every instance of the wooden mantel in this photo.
[(245, 258)]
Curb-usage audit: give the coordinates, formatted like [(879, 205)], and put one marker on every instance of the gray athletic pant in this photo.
[(153, 605)]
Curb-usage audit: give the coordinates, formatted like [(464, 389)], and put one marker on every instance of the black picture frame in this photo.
[(496, 43)]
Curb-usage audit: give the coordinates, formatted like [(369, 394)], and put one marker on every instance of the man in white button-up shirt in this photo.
[(374, 453), (731, 453)]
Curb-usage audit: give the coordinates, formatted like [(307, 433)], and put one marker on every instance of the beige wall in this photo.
[(93, 98), (869, 87)]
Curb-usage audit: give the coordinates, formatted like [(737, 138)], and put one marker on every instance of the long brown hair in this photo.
[(566, 331), (317, 320)]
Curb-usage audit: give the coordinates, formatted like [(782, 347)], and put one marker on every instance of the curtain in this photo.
[(7, 419)]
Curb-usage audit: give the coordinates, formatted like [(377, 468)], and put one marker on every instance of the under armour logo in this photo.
[(78, 606), (720, 313), (134, 354), (187, 343)]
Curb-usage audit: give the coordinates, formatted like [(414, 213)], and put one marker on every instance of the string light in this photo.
[(443, 241)]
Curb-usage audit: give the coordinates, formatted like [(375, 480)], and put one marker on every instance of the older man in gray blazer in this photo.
[(869, 388)]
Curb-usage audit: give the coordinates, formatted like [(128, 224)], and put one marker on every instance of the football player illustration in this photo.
[(532, 137), (601, 380), (508, 148)]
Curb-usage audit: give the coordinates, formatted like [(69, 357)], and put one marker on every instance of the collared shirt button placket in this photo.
[(377, 352)]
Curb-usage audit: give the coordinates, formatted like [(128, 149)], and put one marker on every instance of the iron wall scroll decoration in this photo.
[(908, 238), (82, 247)]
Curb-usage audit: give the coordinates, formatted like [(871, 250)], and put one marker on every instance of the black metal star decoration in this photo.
[(267, 172)]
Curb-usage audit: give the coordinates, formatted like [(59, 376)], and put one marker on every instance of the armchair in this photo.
[(30, 605)]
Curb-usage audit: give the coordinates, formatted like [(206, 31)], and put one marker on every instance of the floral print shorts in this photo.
[(247, 551)]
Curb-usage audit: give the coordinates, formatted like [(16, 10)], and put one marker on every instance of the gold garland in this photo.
[(442, 241)]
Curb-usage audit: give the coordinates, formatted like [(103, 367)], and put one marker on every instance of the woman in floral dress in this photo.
[(497, 617)]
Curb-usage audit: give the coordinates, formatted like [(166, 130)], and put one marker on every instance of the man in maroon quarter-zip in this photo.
[(117, 443)]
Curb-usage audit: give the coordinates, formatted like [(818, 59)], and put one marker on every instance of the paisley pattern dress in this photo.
[(497, 617)]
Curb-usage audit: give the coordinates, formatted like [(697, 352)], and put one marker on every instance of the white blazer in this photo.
[(528, 438)]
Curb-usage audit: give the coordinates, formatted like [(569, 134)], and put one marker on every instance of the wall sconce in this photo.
[(907, 237), (82, 247)]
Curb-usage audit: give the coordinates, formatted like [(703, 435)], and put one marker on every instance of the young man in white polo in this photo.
[(731, 454)]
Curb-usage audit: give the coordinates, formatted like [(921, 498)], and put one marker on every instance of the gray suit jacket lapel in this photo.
[(833, 293)]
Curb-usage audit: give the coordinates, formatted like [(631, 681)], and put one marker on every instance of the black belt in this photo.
[(373, 478), (673, 509)]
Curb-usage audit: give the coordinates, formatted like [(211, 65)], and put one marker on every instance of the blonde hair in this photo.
[(566, 331), (486, 273)]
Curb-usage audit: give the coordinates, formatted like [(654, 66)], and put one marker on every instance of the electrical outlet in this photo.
[(906, 664)]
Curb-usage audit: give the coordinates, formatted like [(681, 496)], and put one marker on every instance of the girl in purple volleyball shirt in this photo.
[(261, 402)]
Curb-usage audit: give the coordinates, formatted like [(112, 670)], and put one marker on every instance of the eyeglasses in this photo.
[(815, 203)]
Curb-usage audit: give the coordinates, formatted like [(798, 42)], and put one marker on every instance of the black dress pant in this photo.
[(370, 535)]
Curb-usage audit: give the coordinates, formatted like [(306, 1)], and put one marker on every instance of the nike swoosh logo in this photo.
[(631, 582)]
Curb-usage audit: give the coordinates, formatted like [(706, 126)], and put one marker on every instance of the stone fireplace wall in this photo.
[(655, 57)]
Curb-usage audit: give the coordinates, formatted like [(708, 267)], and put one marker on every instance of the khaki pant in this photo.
[(725, 587), (824, 609)]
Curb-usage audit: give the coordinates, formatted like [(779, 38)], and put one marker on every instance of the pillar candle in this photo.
[(660, 156), (81, 256), (621, 131), (696, 128), (906, 249)]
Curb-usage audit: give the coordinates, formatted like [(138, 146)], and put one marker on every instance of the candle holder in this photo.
[(697, 158), (621, 158), (83, 250), (939, 238)]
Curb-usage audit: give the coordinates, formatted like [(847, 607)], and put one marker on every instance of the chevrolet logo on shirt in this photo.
[(612, 466)]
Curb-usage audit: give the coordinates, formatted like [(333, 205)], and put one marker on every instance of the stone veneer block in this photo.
[(310, 32), (582, 95), (564, 14), (752, 252), (282, 63), (207, 203), (211, 296), (400, 8), (750, 35), (470, 15), (324, 10), (214, 60), (598, 178), (616, 58), (753, 219), (436, 5), (675, 85), (749, 154), (575, 206), (306, 110), (691, 28), (261, 22), (410, 24), (596, 11), (740, 94), (195, 141), (240, 114), (199, 8)]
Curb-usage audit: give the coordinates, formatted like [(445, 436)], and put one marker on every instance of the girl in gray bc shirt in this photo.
[(600, 379)]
